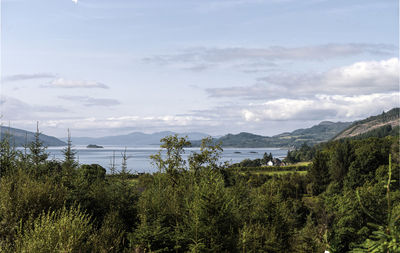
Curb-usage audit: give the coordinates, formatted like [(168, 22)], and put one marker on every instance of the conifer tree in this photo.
[(7, 154), (112, 164), (318, 173), (124, 164), (37, 150), (124, 169), (24, 156), (69, 154)]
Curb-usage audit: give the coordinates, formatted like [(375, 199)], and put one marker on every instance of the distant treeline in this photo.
[(380, 132), (273, 168), (393, 114)]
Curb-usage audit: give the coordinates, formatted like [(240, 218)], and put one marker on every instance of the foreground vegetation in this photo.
[(348, 200)]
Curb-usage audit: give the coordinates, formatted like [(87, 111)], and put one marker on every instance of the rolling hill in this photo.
[(313, 135), (19, 137)]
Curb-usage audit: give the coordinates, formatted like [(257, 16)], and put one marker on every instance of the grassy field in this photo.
[(302, 164), (277, 172), (258, 171), (300, 168)]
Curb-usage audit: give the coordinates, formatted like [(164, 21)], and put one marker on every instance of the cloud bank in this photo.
[(321, 107), (365, 77)]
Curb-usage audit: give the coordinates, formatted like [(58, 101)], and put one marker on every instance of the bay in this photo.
[(139, 156)]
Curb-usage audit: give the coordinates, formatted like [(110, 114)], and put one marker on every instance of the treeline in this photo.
[(349, 200), (393, 114), (307, 153), (379, 132), (303, 154), (258, 162)]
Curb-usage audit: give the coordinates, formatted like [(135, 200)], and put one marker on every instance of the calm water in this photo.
[(139, 160)]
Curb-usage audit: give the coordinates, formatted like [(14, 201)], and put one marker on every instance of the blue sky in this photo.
[(105, 67)]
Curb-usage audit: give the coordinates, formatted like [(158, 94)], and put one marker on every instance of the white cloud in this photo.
[(63, 83), (380, 74), (75, 1), (360, 78), (321, 107)]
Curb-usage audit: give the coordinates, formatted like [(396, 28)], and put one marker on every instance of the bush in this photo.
[(22, 197), (65, 230)]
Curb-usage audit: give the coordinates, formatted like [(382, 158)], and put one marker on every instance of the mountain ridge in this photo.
[(20, 137), (390, 118), (321, 132)]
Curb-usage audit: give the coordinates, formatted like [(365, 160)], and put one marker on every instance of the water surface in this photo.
[(139, 157)]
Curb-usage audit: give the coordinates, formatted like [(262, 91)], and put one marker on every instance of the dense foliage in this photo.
[(348, 201)]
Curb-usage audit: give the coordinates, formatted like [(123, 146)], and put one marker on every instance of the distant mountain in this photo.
[(324, 131), (134, 139), (378, 126), (19, 137)]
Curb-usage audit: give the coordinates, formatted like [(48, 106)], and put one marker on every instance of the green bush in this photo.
[(22, 197), (65, 230)]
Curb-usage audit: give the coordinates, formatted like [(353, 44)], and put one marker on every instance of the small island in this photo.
[(94, 146)]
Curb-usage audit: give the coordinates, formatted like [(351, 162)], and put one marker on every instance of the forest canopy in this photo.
[(348, 200)]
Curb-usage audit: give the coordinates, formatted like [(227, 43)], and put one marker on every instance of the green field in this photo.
[(279, 173)]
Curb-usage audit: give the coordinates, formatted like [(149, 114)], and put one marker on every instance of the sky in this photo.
[(110, 67)]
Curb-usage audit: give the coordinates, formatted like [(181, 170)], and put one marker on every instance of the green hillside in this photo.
[(324, 131), (375, 126), (19, 137)]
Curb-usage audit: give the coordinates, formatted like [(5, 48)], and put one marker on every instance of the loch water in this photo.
[(139, 157)]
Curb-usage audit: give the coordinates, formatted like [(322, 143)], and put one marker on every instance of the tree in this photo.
[(124, 164), (318, 173), (173, 163), (37, 150), (24, 156), (266, 158), (341, 158), (69, 154), (386, 237), (8, 154)]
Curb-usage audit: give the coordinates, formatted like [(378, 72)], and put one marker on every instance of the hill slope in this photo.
[(315, 134), (386, 122), (19, 137)]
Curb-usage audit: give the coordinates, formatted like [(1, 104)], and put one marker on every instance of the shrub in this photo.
[(65, 230)]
